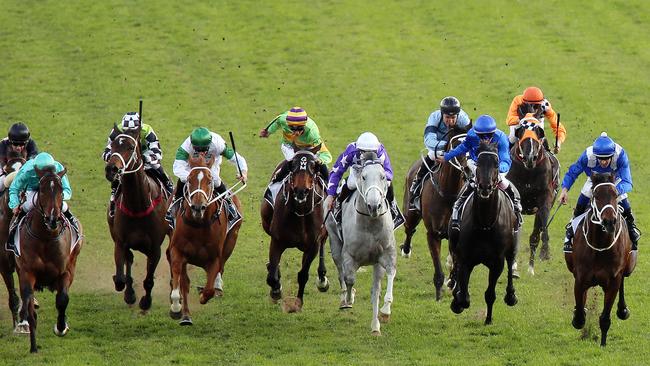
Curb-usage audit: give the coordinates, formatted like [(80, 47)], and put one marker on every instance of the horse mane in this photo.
[(598, 178)]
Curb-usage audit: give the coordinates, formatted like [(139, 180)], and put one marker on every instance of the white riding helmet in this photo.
[(367, 141)]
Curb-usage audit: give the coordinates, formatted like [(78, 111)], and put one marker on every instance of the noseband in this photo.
[(311, 191), (132, 159), (493, 185), (596, 218), (208, 195)]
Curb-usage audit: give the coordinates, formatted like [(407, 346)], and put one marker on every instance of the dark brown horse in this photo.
[(139, 221), (602, 254), (48, 255), (535, 172), (15, 160), (439, 192), (295, 221), (200, 237), (486, 235)]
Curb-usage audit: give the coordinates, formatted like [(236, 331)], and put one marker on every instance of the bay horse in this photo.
[(439, 192), (366, 238), (200, 238), (15, 160), (602, 254), (295, 221), (535, 173), (48, 256), (139, 220), (486, 234)]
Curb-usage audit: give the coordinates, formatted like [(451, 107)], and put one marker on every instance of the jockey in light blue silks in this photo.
[(605, 156), (367, 142), (436, 132), (484, 129), (28, 181)]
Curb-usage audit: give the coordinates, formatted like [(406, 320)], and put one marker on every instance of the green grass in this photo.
[(71, 69)]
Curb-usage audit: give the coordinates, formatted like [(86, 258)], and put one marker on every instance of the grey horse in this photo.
[(366, 238)]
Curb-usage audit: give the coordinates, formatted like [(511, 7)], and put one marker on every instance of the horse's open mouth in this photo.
[(484, 193)]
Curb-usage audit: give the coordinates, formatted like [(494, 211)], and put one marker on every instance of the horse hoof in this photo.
[(375, 333), (129, 297), (515, 273), (488, 321), (531, 270), (344, 305), (511, 300), (145, 303), (384, 318), (456, 308), (218, 292), (63, 332), (175, 315), (119, 284), (22, 328), (543, 254), (36, 304), (186, 321), (577, 322), (324, 285), (623, 313), (276, 295)]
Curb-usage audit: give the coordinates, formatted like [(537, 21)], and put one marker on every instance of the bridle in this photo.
[(188, 195), (596, 218), (376, 187), (530, 137), (132, 159), (494, 183), (316, 197)]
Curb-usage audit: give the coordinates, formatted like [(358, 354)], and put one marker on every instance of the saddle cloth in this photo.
[(272, 191), (16, 249), (575, 222)]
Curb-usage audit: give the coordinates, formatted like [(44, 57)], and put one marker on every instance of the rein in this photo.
[(435, 173), (133, 158), (596, 218)]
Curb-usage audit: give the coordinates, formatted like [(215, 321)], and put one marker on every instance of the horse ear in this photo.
[(62, 173), (39, 173)]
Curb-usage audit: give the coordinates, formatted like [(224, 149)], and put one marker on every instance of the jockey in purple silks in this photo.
[(367, 142)]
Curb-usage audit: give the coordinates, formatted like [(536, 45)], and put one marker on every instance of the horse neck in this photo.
[(449, 179), (136, 189), (486, 211)]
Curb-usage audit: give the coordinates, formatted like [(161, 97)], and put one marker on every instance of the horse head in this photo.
[(487, 169), (125, 154), (304, 169), (604, 205), (530, 144), (371, 183), (15, 160), (199, 187), (50, 196)]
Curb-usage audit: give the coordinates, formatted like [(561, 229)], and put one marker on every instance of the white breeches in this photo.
[(287, 151), (30, 199), (433, 154), (586, 190), (503, 181)]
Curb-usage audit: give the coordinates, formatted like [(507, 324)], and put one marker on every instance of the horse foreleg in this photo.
[(303, 276), (411, 222), (61, 327), (510, 298), (433, 239), (323, 283), (534, 243), (579, 312), (118, 278), (273, 275), (391, 271), (543, 213), (27, 282), (175, 267), (375, 291), (605, 320), (460, 299), (211, 275), (129, 292), (152, 262), (349, 276), (186, 319), (490, 293), (623, 312), (336, 247), (13, 299)]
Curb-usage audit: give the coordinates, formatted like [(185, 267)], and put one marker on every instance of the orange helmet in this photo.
[(533, 95)]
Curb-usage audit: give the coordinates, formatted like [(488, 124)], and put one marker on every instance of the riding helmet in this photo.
[(18, 132), (43, 160), (533, 95), (604, 146), (485, 124), (367, 141), (450, 106), (131, 121), (201, 137)]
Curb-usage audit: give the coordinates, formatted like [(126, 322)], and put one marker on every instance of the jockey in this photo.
[(605, 156), (28, 181), (203, 141), (18, 140), (367, 142), (484, 129), (299, 132), (151, 151), (435, 137), (533, 101)]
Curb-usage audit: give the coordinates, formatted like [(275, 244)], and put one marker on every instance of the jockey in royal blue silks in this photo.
[(605, 156), (367, 142), (436, 136), (484, 129)]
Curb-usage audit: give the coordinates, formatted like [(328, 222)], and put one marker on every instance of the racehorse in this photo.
[(15, 161), (367, 238), (536, 174), (602, 254), (439, 192), (139, 221), (48, 255), (200, 238), (294, 221), (486, 234)]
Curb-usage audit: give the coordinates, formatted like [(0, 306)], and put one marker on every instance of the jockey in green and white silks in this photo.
[(149, 145), (27, 181), (202, 140)]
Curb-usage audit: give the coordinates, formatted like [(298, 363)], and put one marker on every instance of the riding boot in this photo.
[(396, 214), (340, 198), (634, 231), (164, 179), (111, 205), (232, 212), (414, 191), (12, 230), (72, 219), (171, 212), (513, 193), (454, 224), (568, 240), (282, 173)]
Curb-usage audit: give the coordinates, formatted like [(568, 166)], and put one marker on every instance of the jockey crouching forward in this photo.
[(605, 156), (367, 142), (484, 129), (28, 181), (18, 140), (151, 152), (202, 141), (436, 137), (299, 132)]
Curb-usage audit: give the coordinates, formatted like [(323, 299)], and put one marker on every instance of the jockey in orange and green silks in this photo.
[(299, 132)]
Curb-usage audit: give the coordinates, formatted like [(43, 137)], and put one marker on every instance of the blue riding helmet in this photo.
[(604, 146), (44, 160), (485, 125)]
